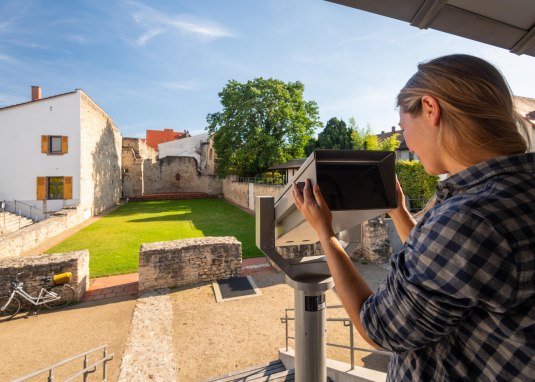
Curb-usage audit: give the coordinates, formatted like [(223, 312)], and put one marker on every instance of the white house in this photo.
[(58, 151), (200, 147)]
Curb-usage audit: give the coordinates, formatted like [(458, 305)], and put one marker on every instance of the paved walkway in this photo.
[(124, 285)]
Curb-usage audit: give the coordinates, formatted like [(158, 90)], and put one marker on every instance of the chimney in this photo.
[(36, 93), (393, 129)]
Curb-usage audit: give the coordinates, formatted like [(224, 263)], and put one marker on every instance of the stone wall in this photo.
[(177, 174), (376, 246), (183, 262), (36, 268), (238, 192), (144, 173), (100, 158), (18, 242)]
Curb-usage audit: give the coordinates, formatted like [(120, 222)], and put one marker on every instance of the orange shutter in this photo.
[(64, 145), (67, 187), (44, 144), (41, 188)]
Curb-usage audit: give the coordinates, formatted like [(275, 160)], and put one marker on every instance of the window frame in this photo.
[(48, 184), (50, 139)]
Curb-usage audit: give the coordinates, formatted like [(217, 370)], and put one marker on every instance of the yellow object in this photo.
[(62, 278)]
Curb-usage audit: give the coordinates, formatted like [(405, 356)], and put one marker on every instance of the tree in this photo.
[(365, 140), (263, 122), (336, 135)]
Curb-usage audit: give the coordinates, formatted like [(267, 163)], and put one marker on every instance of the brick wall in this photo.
[(36, 268), (182, 262)]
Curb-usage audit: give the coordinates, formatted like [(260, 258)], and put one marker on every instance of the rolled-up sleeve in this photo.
[(451, 264)]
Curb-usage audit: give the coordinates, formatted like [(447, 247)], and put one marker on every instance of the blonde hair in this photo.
[(477, 112)]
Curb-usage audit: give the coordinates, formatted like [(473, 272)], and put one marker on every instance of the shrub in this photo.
[(416, 183)]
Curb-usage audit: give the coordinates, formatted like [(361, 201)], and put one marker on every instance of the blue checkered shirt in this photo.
[(459, 301)]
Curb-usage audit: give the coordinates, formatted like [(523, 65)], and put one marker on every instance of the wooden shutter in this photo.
[(41, 188), (64, 145), (67, 187), (44, 144)]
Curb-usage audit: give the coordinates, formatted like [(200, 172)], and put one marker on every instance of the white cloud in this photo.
[(156, 23)]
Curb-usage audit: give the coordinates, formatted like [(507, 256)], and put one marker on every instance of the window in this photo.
[(54, 187), (54, 144)]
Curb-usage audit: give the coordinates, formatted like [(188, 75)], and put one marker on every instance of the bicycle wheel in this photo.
[(65, 293), (11, 310)]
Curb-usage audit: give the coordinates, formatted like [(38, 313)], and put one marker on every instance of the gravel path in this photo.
[(149, 354)]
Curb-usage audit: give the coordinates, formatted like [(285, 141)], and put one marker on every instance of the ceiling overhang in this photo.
[(508, 24)]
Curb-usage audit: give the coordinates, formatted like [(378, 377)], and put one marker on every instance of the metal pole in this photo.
[(85, 368), (310, 328), (310, 347), (351, 343)]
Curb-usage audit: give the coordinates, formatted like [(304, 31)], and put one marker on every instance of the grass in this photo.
[(114, 240)]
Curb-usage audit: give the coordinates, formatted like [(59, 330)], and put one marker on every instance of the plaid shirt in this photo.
[(459, 301)]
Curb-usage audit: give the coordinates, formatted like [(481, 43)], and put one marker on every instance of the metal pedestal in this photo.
[(310, 329)]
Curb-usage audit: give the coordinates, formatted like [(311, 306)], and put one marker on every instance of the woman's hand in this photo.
[(403, 220), (311, 204), (401, 208)]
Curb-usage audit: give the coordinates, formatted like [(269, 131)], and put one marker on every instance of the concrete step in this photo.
[(273, 372), (10, 222)]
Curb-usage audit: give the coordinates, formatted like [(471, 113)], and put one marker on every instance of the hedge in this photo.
[(416, 183)]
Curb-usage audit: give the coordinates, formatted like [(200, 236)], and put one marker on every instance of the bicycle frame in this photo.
[(44, 297)]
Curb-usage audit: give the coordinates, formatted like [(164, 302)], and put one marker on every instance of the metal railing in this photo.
[(347, 323), (275, 181), (87, 369)]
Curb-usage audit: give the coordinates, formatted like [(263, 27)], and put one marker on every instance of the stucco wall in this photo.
[(183, 262), (100, 168), (36, 268), (21, 128)]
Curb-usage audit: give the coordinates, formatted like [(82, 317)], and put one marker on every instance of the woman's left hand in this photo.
[(311, 204)]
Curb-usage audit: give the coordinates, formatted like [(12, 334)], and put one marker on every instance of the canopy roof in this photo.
[(508, 24)]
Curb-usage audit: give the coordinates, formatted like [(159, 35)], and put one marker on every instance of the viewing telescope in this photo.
[(357, 186)]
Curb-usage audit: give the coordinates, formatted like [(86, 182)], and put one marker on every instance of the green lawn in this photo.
[(114, 240)]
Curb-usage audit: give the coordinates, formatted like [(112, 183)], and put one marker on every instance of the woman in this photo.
[(459, 300)]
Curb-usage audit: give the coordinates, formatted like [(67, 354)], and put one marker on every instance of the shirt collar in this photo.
[(482, 171)]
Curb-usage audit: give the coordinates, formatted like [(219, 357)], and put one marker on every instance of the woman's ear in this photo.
[(431, 110)]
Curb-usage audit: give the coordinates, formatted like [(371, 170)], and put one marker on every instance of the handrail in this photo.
[(347, 323), (85, 371)]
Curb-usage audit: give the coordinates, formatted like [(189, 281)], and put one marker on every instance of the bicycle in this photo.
[(56, 294)]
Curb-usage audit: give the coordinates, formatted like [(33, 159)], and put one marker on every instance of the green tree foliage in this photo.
[(336, 135), (363, 139), (416, 183), (263, 122)]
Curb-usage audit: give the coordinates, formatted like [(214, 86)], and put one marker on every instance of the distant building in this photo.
[(289, 168), (155, 137), (402, 152), (58, 151)]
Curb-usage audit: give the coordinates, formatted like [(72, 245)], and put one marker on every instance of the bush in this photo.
[(416, 183)]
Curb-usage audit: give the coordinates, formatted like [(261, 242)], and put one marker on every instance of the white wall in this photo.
[(21, 160)]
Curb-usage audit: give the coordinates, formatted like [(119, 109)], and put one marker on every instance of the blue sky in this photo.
[(161, 63)]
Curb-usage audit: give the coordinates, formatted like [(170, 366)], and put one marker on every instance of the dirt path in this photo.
[(207, 338)]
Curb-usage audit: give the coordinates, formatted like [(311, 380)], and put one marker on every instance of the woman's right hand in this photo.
[(314, 208)]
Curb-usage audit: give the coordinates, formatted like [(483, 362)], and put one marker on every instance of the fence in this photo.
[(276, 181), (87, 369), (347, 323)]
